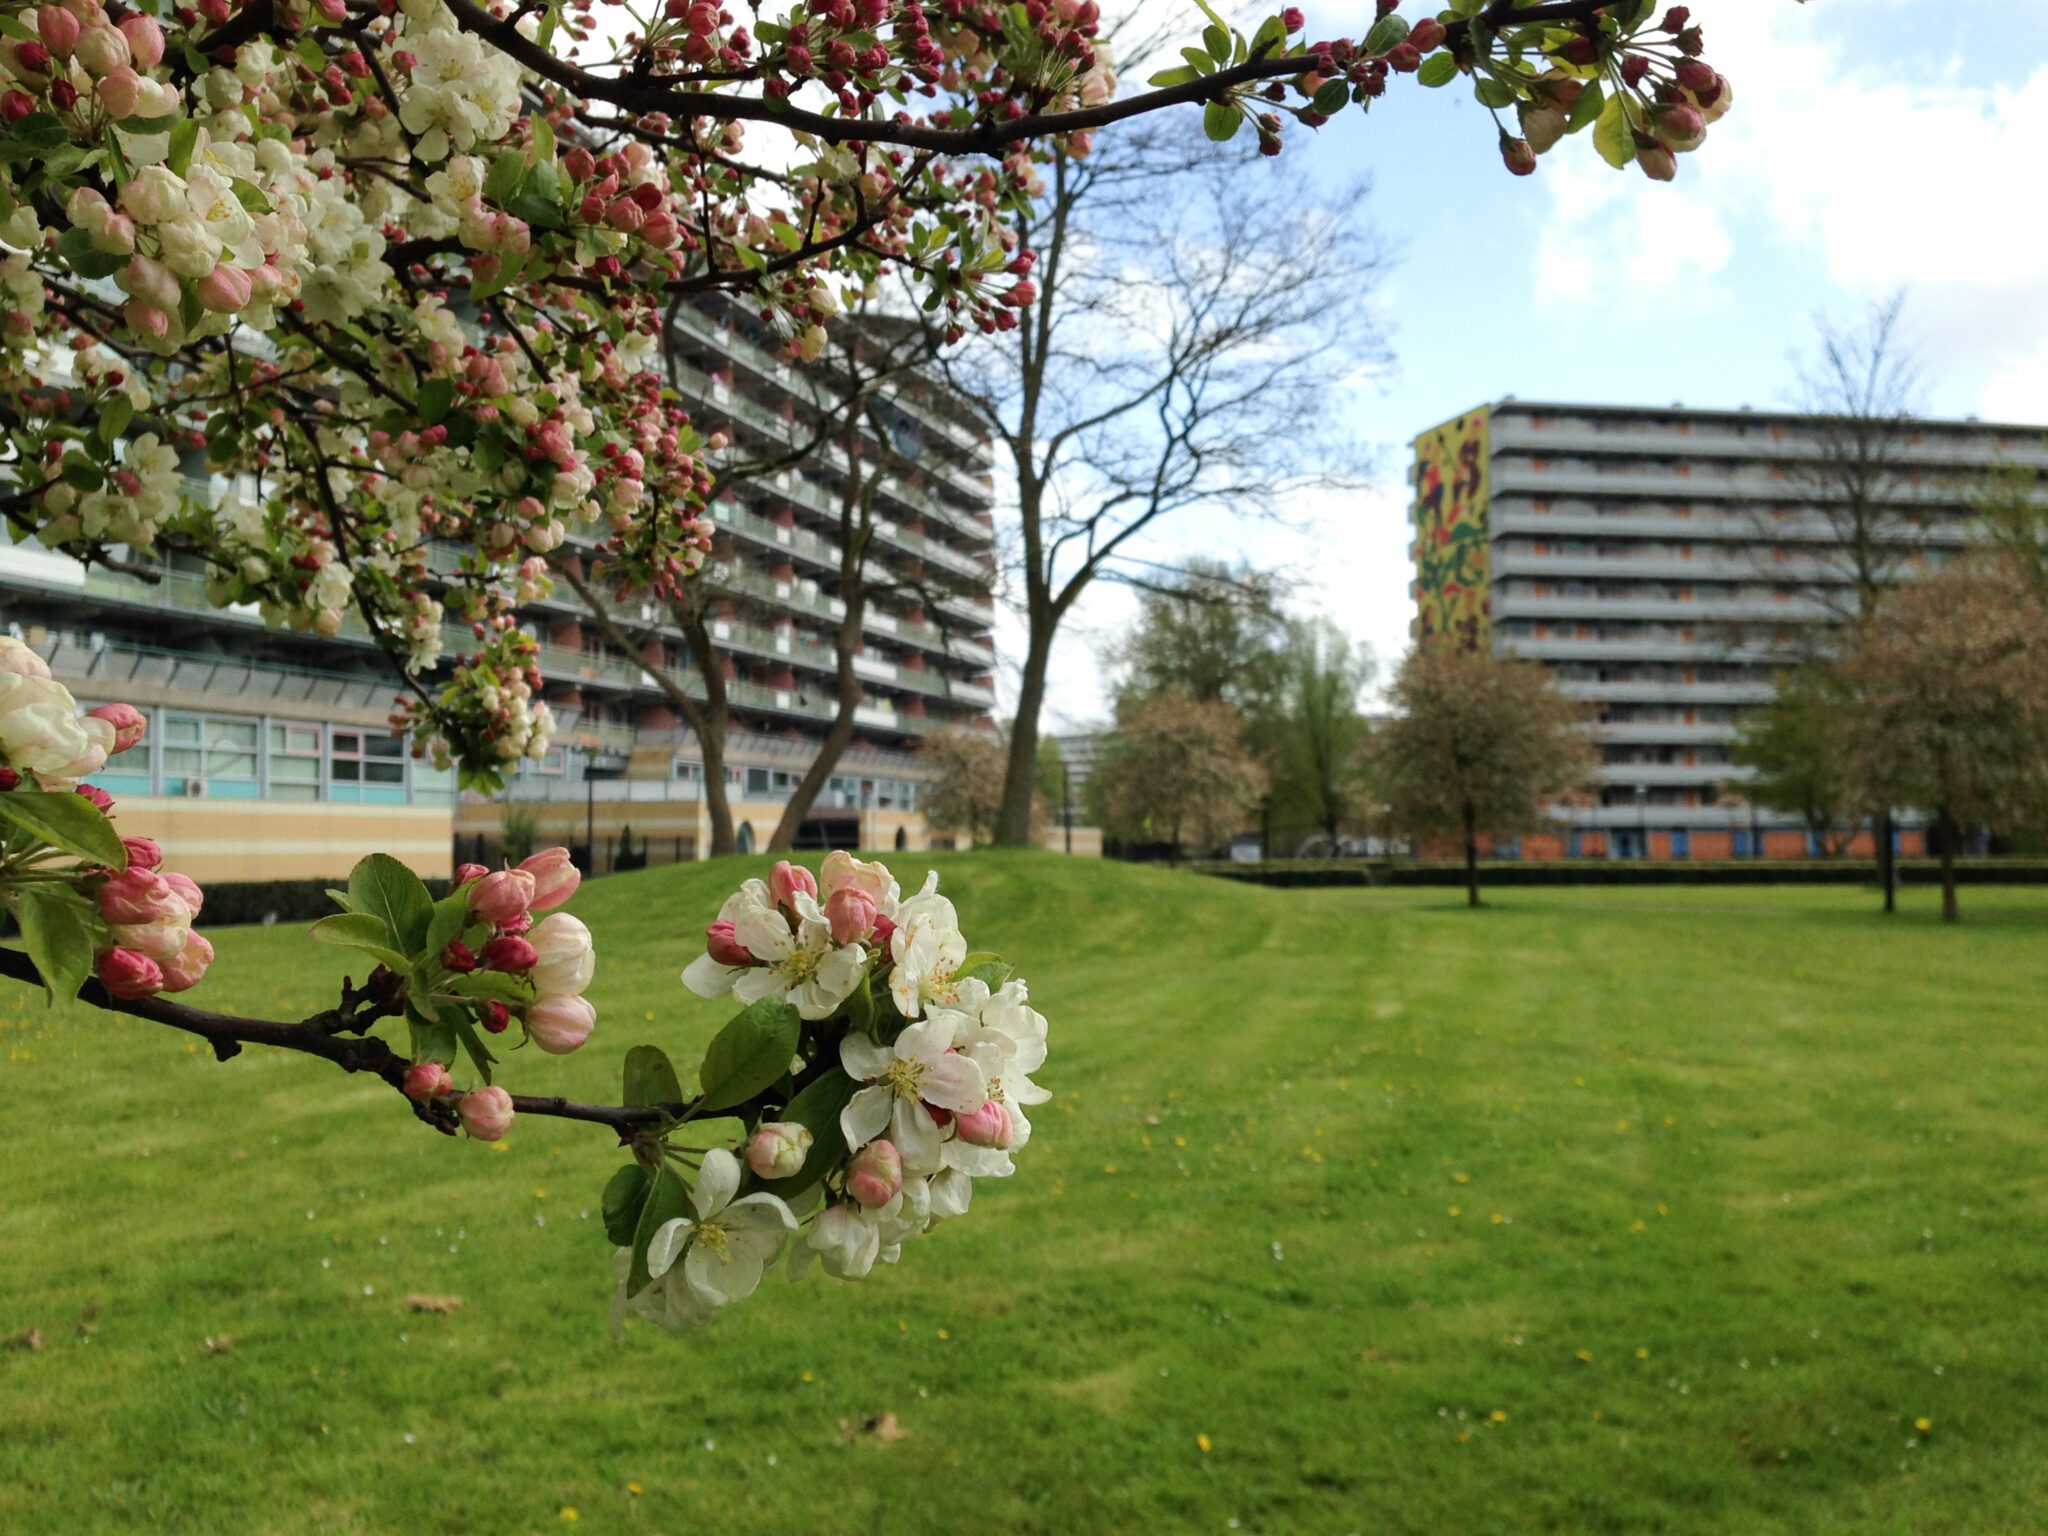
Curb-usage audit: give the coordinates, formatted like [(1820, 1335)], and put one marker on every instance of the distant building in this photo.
[(1663, 564)]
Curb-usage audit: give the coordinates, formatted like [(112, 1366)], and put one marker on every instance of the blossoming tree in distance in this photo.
[(352, 304)]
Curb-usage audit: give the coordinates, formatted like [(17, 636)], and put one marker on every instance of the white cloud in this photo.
[(1884, 174)]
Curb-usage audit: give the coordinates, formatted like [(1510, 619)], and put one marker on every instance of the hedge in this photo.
[(1500, 872)]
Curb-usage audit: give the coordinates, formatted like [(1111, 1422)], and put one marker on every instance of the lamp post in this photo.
[(1067, 801), (598, 765), (1643, 819)]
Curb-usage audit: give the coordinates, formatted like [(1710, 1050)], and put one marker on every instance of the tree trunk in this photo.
[(1471, 857), (717, 806), (1887, 861), (1946, 828), (1020, 776)]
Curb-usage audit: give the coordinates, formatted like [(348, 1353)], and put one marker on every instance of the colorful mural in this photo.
[(1452, 557)]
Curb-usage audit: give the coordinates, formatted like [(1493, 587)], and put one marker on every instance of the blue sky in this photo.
[(1874, 145)]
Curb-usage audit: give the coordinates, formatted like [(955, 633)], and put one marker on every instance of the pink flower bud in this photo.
[(555, 878), (852, 915), (1658, 163), (225, 290), (139, 896), (145, 40), (988, 1126), (509, 952), (885, 930), (458, 957), (58, 29), (1426, 33), (1679, 127), (486, 1112), (184, 969), (1542, 127), (560, 1024), (1405, 58), (875, 1174), (33, 57), (143, 852), (127, 974), (464, 873), (721, 944), (497, 1017), (778, 1149), (502, 895), (130, 724), (187, 889), (426, 1080), (120, 92), (102, 49), (1518, 155), (786, 879)]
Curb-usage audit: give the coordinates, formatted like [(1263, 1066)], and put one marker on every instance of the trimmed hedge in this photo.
[(233, 903), (1501, 872)]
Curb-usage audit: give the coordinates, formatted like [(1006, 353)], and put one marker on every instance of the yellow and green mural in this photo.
[(1452, 561)]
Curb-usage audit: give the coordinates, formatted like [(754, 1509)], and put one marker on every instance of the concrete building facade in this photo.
[(270, 754), (1665, 565)]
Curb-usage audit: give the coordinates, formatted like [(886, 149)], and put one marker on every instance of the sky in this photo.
[(1875, 146)]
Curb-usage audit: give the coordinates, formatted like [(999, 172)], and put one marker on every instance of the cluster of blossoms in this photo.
[(905, 1076), (106, 899)]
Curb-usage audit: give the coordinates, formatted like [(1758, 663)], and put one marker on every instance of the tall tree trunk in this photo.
[(1020, 775), (1887, 860), (1471, 857), (1945, 828)]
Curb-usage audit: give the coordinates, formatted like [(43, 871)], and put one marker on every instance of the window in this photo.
[(431, 785), (209, 755), (127, 774), (294, 761), (366, 769)]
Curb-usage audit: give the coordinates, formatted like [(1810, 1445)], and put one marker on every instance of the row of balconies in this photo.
[(1965, 451), (1618, 651), (1761, 691), (1520, 560), (1749, 532), (1671, 485), (1597, 608)]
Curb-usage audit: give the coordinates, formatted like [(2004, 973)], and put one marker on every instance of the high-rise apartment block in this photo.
[(1666, 564), (270, 754)]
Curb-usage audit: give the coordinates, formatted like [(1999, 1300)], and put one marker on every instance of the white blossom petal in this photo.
[(866, 1116), (718, 1180)]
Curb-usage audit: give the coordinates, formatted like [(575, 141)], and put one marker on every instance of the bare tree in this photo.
[(868, 356), (1951, 696), (1479, 746), (1863, 388), (1187, 330)]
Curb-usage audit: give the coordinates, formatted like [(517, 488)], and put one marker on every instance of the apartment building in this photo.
[(270, 754), (1666, 564)]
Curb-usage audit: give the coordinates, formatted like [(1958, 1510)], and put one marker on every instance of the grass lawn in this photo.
[(1628, 1211)]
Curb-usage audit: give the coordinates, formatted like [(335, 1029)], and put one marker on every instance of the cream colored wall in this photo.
[(661, 823), (281, 840), (1087, 841)]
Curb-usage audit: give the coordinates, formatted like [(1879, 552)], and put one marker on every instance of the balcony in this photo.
[(1618, 651), (1593, 691), (1596, 608), (1664, 733), (1660, 775), (1709, 440), (1518, 560)]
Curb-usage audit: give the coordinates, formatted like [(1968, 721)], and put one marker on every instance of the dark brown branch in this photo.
[(337, 1035)]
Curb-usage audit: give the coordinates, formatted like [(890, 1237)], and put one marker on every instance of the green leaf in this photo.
[(1587, 108), (651, 1078), (75, 246), (34, 137), (114, 418), (1217, 41), (749, 1053), (1272, 34), (506, 172), (473, 1043), (1390, 31), (1221, 120), (184, 139), (1492, 93), (359, 930), (436, 395), (67, 821), (1331, 97), (1180, 74), (1199, 61), (250, 196), (666, 1200), (817, 1109), (624, 1193), (488, 986), (543, 140), (1611, 136), (451, 916), (433, 1042), (384, 888), (340, 899), (1438, 69), (58, 931)]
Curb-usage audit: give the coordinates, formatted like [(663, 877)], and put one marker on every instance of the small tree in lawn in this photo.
[(1479, 746), (1794, 747), (1315, 736), (1179, 773), (967, 794), (1952, 704)]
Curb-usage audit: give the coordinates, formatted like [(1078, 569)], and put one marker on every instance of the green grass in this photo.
[(1343, 1181)]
